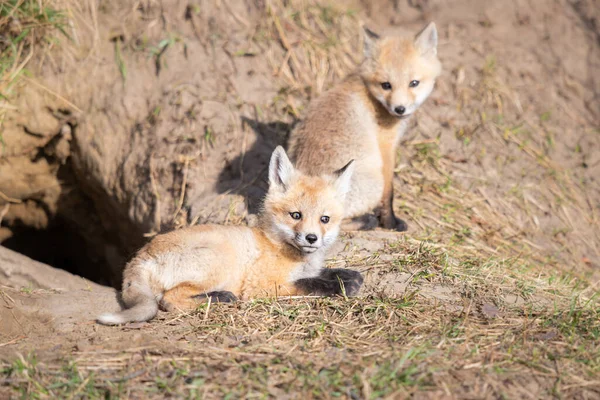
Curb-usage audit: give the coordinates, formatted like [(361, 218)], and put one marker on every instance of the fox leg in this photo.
[(387, 218), (187, 296), (331, 281)]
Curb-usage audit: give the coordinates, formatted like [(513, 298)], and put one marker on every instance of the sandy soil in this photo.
[(156, 117)]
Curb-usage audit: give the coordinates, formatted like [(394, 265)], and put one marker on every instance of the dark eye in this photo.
[(296, 215), (386, 86), (413, 84), (324, 219)]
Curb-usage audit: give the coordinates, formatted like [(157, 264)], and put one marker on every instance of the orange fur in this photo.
[(181, 297)]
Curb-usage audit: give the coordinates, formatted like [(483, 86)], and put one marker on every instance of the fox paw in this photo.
[(392, 223), (331, 282), (401, 225), (192, 302), (349, 281), (218, 297)]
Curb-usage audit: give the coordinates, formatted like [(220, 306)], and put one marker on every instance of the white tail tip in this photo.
[(110, 319)]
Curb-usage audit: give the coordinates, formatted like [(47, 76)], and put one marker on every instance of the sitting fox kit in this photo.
[(283, 255), (365, 116)]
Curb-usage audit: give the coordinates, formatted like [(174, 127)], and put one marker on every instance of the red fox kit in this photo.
[(365, 116), (283, 255)]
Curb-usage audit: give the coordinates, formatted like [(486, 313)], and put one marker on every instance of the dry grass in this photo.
[(316, 44), (26, 27), (484, 309), (505, 329), (359, 348)]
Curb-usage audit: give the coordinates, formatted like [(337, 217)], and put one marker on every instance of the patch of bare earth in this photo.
[(493, 291)]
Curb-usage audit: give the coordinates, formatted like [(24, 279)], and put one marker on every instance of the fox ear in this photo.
[(344, 176), (281, 170), (370, 38), (427, 39)]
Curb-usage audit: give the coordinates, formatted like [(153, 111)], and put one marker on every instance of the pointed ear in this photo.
[(281, 170), (343, 178), (370, 39), (427, 40)]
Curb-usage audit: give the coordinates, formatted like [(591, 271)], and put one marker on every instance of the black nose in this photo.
[(400, 110), (311, 238)]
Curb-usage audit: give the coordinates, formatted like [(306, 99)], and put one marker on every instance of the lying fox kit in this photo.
[(364, 118), (283, 255)]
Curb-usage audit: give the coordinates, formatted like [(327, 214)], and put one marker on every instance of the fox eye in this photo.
[(296, 215), (324, 219), (386, 86), (413, 83)]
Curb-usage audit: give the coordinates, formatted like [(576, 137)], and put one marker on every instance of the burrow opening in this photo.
[(73, 238)]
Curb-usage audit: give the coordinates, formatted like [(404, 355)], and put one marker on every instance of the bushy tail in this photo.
[(140, 302)]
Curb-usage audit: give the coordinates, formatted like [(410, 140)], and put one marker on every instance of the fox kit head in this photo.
[(304, 211), (400, 73)]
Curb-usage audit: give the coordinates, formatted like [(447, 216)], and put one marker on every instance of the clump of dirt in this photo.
[(36, 299)]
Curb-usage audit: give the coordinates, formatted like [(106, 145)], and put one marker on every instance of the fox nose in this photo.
[(311, 238), (400, 110)]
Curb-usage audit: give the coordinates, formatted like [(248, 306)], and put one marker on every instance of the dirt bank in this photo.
[(154, 116)]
